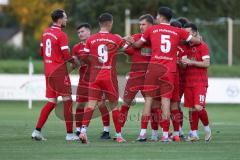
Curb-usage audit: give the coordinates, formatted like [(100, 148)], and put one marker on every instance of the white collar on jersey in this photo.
[(56, 27), (165, 23), (103, 32)]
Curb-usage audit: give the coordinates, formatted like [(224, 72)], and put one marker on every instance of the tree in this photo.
[(34, 15)]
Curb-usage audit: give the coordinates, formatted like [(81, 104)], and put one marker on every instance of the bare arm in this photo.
[(201, 64)]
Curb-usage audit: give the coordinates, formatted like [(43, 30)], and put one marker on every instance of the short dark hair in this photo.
[(149, 18), (86, 25), (105, 17), (192, 26), (57, 14), (183, 20), (176, 24), (166, 12)]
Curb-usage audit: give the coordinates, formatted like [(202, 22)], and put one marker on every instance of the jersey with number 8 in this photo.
[(54, 42), (165, 40)]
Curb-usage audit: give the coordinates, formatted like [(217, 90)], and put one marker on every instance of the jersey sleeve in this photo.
[(184, 35), (146, 35), (74, 50), (129, 50), (63, 42), (205, 52), (87, 46)]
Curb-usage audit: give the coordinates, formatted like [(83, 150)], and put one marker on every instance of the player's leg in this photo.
[(94, 93), (81, 100), (175, 111), (68, 116), (146, 116), (175, 117), (46, 110), (79, 116), (105, 119), (129, 94), (193, 114), (87, 116), (155, 118), (200, 94), (166, 87)]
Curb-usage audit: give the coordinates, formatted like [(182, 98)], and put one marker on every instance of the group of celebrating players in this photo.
[(168, 59)]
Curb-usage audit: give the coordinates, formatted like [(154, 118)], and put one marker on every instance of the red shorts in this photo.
[(195, 96), (134, 84), (158, 83), (107, 85), (58, 86)]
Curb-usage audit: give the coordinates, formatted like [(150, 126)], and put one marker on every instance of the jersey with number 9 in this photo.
[(103, 47)]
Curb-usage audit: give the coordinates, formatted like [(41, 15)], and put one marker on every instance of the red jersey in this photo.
[(54, 45), (78, 50), (103, 48), (164, 41), (181, 54), (196, 76), (140, 57)]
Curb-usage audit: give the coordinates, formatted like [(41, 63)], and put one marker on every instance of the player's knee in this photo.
[(52, 100), (66, 98), (198, 107)]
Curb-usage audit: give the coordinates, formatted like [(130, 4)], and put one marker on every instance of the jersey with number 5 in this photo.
[(164, 42), (103, 47), (54, 44)]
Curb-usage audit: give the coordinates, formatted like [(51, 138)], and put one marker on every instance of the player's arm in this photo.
[(135, 44), (205, 63)]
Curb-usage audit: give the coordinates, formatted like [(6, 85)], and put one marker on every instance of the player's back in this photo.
[(103, 47), (165, 40), (54, 40)]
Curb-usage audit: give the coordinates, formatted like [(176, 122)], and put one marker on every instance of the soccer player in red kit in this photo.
[(55, 52), (103, 47), (84, 32), (197, 61), (140, 58), (162, 67)]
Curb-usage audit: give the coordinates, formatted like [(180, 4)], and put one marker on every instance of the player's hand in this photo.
[(187, 61), (76, 61), (129, 39)]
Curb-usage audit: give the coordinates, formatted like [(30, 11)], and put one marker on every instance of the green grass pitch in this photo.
[(17, 123)]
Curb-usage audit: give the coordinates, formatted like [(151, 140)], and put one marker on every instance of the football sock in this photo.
[(68, 115), (46, 110), (105, 115), (204, 117)]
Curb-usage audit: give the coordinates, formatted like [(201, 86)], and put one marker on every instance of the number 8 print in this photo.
[(48, 50)]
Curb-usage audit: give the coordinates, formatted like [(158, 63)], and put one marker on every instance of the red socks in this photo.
[(79, 116), (116, 121), (144, 121), (88, 113), (105, 115), (155, 118), (203, 117), (123, 114), (68, 115), (193, 119), (175, 116), (46, 110)]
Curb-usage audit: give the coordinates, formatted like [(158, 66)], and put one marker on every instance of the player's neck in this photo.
[(57, 25), (104, 30)]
